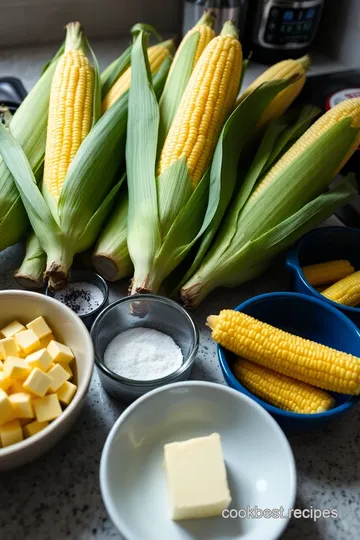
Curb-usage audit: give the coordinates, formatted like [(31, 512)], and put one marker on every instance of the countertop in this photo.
[(58, 496)]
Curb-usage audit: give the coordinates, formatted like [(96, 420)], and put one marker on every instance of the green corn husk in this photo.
[(31, 272), (165, 217), (257, 227), (28, 126)]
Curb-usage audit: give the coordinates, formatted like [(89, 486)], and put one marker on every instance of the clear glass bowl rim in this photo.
[(153, 382)]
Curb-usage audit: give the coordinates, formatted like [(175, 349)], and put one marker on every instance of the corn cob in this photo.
[(328, 272), (156, 54), (70, 111), (190, 49), (290, 193), (282, 70), (207, 101), (280, 390), (346, 291), (286, 353)]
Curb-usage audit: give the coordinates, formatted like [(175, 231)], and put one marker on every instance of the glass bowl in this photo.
[(148, 311)]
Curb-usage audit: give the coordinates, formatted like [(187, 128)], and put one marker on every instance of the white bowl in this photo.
[(69, 329), (259, 461)]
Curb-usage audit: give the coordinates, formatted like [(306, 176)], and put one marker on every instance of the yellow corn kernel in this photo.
[(327, 272), (66, 392), (37, 383), (280, 390), (286, 353), (156, 54), (11, 433), (47, 408), (7, 413), (40, 359), (11, 329), (40, 327), (28, 341), (34, 427), (8, 347), (58, 377), (60, 352), (21, 403), (70, 111), (16, 368), (281, 70), (207, 101), (346, 291)]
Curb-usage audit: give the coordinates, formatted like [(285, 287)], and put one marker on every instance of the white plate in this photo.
[(259, 463)]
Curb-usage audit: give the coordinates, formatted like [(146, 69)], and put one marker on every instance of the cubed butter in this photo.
[(66, 392), (8, 347), (11, 433), (16, 368), (40, 359), (28, 341), (37, 382), (5, 382), (1, 365), (60, 352), (196, 478), (34, 427), (44, 342), (40, 327), (6, 410), (21, 403), (58, 376), (67, 368), (16, 387), (11, 329), (47, 408)]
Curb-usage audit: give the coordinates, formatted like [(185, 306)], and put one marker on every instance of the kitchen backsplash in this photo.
[(32, 21)]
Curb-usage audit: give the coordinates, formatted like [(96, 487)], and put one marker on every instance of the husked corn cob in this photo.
[(156, 54), (70, 111), (286, 353), (281, 70), (280, 390), (345, 109), (346, 291), (327, 272), (208, 99)]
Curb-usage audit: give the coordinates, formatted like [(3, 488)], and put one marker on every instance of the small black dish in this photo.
[(89, 277)]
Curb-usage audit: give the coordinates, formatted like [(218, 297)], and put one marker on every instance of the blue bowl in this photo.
[(309, 318), (321, 245)]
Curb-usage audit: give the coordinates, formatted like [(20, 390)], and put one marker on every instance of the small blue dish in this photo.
[(309, 318), (322, 245)]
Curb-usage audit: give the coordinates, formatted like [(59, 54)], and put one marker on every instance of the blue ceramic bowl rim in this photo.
[(271, 408), (292, 262)]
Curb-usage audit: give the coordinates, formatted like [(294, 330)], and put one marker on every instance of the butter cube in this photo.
[(11, 433), (11, 329), (34, 427), (1, 357), (16, 368), (16, 387), (47, 408), (66, 392), (8, 347), (21, 403), (196, 478), (28, 341), (67, 368), (40, 327), (58, 376), (60, 352), (1, 365), (37, 382), (6, 410), (44, 342), (40, 359), (25, 421), (5, 382)]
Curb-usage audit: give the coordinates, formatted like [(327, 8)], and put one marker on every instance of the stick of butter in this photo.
[(196, 478)]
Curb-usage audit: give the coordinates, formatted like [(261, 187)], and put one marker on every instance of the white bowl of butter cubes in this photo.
[(46, 362), (197, 460)]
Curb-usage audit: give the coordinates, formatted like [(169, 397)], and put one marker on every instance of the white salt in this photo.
[(82, 297)]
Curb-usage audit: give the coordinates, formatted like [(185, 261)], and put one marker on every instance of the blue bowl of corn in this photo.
[(329, 254), (302, 316)]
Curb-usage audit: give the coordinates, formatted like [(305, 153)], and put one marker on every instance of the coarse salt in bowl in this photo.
[(124, 331)]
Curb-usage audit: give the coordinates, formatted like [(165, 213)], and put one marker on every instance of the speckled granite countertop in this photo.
[(58, 496)]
